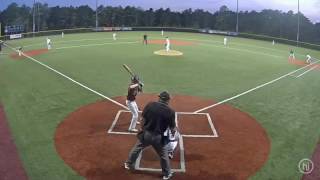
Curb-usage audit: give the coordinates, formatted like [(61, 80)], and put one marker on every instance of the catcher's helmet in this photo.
[(164, 96)]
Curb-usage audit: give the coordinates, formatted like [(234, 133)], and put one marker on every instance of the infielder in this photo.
[(167, 44), (308, 59), (19, 49), (225, 41), (134, 88), (291, 55), (145, 39), (48, 43), (114, 36)]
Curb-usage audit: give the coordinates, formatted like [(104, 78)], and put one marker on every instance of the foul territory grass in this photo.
[(36, 99)]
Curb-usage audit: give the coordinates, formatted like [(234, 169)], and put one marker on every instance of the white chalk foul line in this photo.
[(67, 77), (307, 71), (255, 88)]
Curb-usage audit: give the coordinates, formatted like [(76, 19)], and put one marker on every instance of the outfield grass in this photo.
[(36, 99)]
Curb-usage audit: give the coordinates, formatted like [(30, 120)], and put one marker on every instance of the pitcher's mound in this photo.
[(168, 53)]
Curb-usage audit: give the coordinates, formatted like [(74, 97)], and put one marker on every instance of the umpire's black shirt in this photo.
[(158, 116)]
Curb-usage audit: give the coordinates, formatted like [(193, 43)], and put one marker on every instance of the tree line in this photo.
[(267, 22)]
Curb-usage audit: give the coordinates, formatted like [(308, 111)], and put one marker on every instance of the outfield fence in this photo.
[(171, 29)]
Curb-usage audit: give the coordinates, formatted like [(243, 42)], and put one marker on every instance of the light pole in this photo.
[(34, 17), (96, 14), (237, 26), (298, 31)]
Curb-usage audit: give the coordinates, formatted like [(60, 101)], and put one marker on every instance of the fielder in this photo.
[(48, 43), (162, 32), (114, 36), (145, 39), (167, 45), (134, 88), (308, 59), (225, 41), (291, 55), (273, 42), (62, 34), (19, 49)]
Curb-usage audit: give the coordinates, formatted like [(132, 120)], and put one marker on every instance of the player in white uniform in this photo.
[(19, 49), (225, 41), (273, 42), (48, 43), (162, 33), (167, 44), (114, 36), (62, 34), (308, 58)]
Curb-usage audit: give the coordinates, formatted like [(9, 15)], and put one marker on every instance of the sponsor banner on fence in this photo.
[(117, 28), (210, 31), (15, 36)]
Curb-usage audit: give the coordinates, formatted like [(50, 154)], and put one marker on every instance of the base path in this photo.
[(29, 53), (10, 164), (239, 151)]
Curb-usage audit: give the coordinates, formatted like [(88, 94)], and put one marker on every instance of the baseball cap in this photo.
[(164, 95)]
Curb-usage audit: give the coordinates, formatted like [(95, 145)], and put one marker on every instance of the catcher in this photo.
[(134, 88), (172, 140)]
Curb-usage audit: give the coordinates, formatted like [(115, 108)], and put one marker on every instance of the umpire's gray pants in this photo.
[(155, 142)]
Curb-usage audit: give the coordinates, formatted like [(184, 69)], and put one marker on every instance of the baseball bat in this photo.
[(128, 69)]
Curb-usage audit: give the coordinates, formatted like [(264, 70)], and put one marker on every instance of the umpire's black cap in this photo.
[(164, 96)]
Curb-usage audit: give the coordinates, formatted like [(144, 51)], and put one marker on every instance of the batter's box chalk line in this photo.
[(210, 124), (182, 168)]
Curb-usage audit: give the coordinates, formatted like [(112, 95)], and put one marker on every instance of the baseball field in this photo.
[(244, 110)]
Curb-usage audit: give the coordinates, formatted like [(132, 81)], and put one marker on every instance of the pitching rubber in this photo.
[(169, 53)]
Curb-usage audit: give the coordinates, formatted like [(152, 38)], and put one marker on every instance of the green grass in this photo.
[(36, 99)]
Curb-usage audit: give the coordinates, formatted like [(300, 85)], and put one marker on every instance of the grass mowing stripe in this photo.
[(255, 88), (79, 40), (67, 77), (102, 44)]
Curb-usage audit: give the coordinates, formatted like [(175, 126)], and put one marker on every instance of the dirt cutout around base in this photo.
[(173, 42), (241, 149), (11, 167), (29, 53), (303, 63), (163, 52)]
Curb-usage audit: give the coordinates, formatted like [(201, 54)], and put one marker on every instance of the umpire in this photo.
[(157, 117)]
